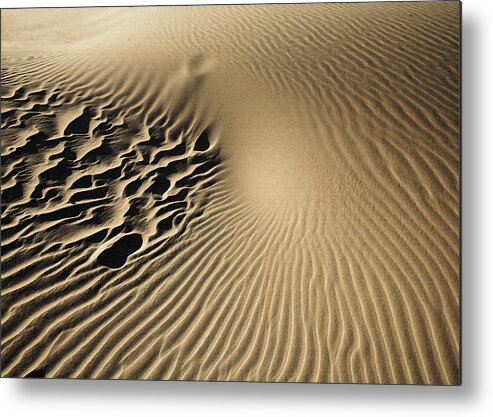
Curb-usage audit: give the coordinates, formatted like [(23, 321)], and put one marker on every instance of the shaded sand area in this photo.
[(260, 193)]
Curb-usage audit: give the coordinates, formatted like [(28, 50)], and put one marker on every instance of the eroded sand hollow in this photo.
[(262, 193)]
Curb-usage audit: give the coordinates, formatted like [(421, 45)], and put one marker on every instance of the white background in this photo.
[(474, 398)]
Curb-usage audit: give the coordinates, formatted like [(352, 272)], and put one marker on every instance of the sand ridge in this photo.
[(260, 193)]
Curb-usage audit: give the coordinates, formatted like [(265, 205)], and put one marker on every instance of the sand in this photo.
[(240, 193)]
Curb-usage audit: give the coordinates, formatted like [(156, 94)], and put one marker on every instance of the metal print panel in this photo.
[(232, 193)]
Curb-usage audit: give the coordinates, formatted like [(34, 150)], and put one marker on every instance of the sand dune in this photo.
[(260, 193)]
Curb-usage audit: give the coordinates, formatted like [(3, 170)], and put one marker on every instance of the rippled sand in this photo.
[(260, 193)]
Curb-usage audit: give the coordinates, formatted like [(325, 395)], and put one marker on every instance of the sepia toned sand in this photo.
[(256, 193)]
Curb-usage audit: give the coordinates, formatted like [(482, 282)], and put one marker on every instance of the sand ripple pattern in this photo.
[(147, 234)]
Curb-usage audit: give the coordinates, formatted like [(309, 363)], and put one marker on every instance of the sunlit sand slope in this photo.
[(261, 193)]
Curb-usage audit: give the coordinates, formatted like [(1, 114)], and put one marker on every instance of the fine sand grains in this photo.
[(260, 193)]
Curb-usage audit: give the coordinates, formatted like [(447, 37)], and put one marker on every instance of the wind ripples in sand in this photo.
[(261, 193)]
